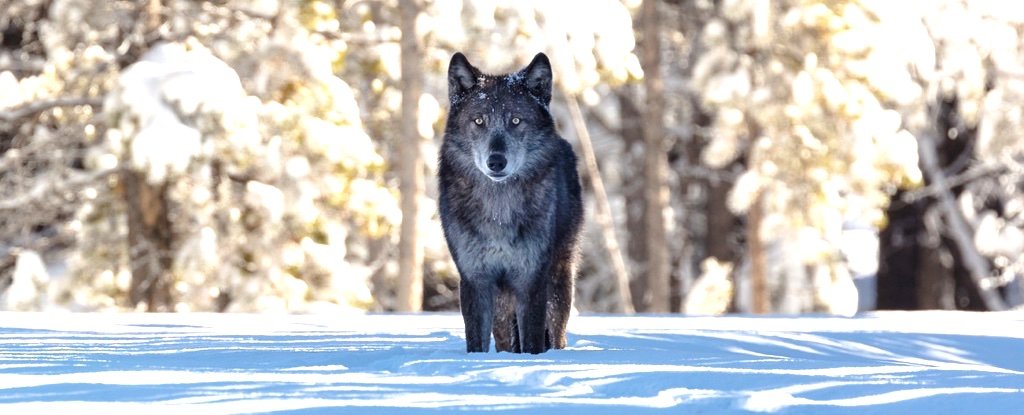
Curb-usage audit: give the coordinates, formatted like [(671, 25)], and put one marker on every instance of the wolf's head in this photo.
[(498, 119)]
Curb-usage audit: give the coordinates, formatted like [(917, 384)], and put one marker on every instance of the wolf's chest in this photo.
[(508, 246), (503, 226), (494, 216), (504, 209)]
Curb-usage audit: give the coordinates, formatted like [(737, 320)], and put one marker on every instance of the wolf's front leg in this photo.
[(477, 305), (560, 301), (531, 312)]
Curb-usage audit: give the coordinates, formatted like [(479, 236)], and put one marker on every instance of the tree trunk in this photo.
[(410, 165), (150, 242), (760, 298), (927, 255), (603, 211), (150, 237), (960, 232), (655, 170), (632, 133), (935, 283), (899, 255), (153, 15), (721, 222)]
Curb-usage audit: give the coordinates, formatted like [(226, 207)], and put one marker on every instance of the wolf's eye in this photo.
[(479, 121), (515, 120)]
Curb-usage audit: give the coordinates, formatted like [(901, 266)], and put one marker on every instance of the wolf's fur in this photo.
[(510, 207)]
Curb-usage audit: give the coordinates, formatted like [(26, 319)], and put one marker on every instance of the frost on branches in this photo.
[(267, 183), (829, 102), (806, 91)]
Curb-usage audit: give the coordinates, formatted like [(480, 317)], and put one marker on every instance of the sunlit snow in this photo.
[(898, 363)]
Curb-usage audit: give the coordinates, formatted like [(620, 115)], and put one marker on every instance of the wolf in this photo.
[(510, 206)]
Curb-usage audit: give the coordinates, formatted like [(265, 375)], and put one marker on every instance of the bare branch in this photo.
[(962, 233), (966, 177), (361, 38), (36, 107), (33, 67), (46, 188), (603, 213)]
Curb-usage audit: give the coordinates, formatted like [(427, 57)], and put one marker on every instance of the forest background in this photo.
[(755, 156)]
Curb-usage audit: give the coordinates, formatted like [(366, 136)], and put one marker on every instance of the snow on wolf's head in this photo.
[(498, 119)]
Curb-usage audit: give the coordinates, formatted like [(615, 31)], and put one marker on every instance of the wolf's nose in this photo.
[(496, 162)]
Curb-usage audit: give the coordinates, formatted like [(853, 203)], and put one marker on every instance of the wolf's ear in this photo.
[(461, 77), (538, 78)]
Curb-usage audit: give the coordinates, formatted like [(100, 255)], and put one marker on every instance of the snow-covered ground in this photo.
[(888, 363)]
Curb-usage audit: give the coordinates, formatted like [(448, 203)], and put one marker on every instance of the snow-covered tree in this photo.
[(241, 155), (808, 93), (236, 172), (962, 230)]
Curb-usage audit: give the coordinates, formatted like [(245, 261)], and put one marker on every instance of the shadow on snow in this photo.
[(606, 371)]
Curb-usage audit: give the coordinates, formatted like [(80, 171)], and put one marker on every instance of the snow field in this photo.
[(894, 362)]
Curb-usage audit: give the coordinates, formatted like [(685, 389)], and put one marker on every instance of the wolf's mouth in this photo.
[(498, 177)]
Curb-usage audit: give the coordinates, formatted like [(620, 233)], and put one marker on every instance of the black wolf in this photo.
[(510, 207)]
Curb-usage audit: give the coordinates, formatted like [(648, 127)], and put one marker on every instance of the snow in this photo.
[(161, 93), (28, 283), (882, 363)]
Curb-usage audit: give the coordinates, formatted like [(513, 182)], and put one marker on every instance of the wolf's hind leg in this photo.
[(559, 303), (531, 312), (516, 345), (505, 338)]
